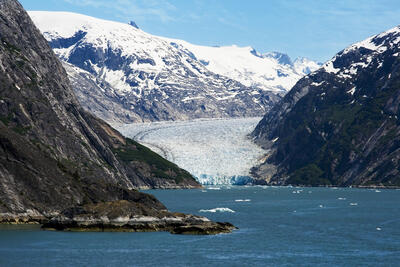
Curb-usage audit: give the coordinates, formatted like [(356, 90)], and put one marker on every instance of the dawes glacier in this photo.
[(123, 74)]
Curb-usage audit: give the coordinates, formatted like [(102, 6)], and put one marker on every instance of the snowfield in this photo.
[(215, 151)]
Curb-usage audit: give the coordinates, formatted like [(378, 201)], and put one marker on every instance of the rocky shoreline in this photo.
[(120, 216), (260, 182)]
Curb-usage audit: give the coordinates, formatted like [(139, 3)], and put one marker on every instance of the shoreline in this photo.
[(332, 186)]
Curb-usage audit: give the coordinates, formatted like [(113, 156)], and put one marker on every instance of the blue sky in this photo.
[(316, 29)]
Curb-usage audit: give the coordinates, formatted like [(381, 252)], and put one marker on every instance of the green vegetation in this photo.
[(319, 144), (21, 130), (308, 175), (20, 63), (69, 167), (160, 167), (10, 47), (6, 120)]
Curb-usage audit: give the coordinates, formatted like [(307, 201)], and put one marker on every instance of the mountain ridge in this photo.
[(152, 78), (339, 124)]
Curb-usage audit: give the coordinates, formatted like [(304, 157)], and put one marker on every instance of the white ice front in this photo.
[(215, 151)]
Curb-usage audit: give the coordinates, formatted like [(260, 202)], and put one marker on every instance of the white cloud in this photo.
[(137, 9)]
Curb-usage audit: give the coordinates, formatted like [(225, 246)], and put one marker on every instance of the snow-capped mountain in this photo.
[(272, 71), (340, 124), (151, 78)]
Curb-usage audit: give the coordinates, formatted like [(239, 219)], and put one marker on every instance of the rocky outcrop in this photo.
[(53, 154), (125, 216), (340, 124)]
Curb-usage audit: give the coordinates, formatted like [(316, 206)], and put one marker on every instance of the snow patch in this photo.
[(351, 91), (330, 68)]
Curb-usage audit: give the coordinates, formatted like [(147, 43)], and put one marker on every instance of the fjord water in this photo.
[(277, 226)]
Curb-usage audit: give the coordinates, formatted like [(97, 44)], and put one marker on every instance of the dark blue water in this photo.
[(317, 226)]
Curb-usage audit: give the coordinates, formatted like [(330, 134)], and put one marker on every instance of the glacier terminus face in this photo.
[(214, 151)]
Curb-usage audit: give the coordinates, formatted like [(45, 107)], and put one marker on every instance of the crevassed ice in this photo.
[(214, 151)]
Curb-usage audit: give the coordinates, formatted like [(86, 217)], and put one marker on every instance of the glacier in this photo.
[(214, 151)]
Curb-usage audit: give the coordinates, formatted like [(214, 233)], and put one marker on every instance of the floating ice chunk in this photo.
[(218, 210), (321, 206), (341, 198), (242, 200), (377, 191), (353, 204), (378, 228), (214, 188)]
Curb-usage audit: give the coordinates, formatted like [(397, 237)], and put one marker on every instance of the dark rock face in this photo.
[(53, 154), (340, 124)]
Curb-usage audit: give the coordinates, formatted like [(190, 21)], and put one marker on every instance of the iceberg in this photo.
[(218, 210)]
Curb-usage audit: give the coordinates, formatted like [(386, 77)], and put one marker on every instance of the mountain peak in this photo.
[(281, 57), (133, 24), (346, 114)]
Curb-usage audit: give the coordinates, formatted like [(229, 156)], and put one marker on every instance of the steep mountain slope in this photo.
[(273, 72), (339, 125), (98, 97), (53, 154), (151, 79)]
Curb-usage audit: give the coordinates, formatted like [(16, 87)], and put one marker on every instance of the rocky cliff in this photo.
[(340, 124), (53, 154)]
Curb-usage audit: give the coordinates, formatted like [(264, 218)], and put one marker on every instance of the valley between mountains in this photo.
[(341, 114), (189, 115)]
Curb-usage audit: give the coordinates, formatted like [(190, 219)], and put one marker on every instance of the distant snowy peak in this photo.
[(351, 72), (305, 65), (133, 24), (363, 54), (272, 71), (281, 57), (149, 78), (65, 31)]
